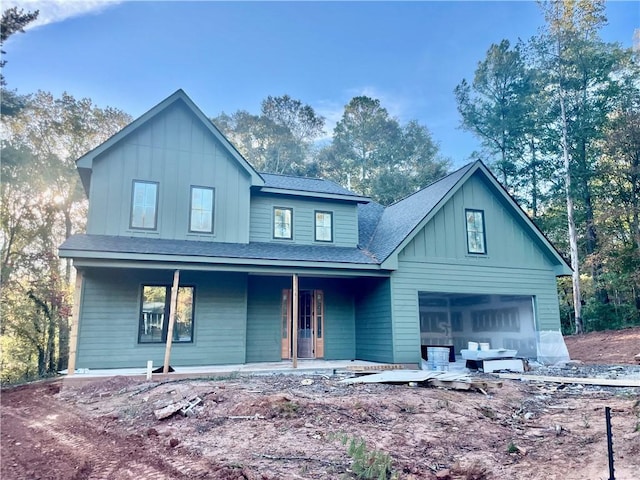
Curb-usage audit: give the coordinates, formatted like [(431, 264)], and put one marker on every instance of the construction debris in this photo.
[(186, 411), (374, 368), (451, 380), (185, 407), (604, 382)]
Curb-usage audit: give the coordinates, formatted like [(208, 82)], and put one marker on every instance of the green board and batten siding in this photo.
[(264, 316), (339, 315), (345, 220), (108, 332), (436, 260), (177, 151), (374, 326)]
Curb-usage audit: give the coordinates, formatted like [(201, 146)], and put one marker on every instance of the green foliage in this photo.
[(378, 156), (370, 153), (366, 464), (512, 447), (13, 21), (280, 139), (42, 203)]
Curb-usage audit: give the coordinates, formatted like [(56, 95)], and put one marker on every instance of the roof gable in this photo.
[(401, 221), (85, 163)]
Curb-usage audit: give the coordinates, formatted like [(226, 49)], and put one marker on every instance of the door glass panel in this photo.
[(305, 325)]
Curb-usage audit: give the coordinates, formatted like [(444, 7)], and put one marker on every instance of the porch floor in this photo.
[(305, 366)]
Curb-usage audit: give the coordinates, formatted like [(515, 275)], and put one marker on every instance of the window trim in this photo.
[(167, 306), (155, 211), (315, 226), (213, 209), (273, 223), (484, 231)]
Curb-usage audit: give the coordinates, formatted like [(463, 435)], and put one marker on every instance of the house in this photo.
[(264, 262)]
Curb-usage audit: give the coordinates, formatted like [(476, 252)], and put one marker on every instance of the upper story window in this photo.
[(144, 205), (283, 223), (201, 218), (476, 239), (154, 315), (324, 226)]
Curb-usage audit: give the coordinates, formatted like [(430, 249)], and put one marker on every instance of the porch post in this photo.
[(75, 321), (294, 320), (172, 318)]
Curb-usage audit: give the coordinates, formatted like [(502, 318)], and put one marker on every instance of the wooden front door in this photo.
[(310, 324)]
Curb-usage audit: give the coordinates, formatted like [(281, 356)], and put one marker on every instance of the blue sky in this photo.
[(230, 55)]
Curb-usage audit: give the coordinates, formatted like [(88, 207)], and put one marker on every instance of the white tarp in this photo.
[(551, 348)]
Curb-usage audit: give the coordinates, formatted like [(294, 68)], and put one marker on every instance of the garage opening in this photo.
[(504, 321)]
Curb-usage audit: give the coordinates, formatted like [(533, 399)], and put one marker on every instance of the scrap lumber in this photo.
[(169, 410), (603, 382), (374, 368), (188, 408), (451, 380), (183, 406)]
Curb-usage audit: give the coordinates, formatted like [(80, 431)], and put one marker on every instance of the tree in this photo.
[(572, 63), (13, 21), (280, 139), (43, 204), (379, 157), (363, 140), (492, 107), (417, 164)]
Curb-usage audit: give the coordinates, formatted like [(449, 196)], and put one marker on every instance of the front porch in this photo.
[(304, 367)]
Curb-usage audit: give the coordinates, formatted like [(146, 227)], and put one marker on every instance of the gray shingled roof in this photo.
[(381, 230), (368, 217), (304, 184), (252, 251), (401, 218)]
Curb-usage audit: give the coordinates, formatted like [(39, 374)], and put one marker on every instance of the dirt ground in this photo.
[(291, 426), (608, 347)]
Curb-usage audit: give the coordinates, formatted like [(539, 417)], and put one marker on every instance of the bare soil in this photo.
[(608, 347), (286, 427)]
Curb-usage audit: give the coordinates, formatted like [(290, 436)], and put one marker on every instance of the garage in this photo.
[(503, 321)]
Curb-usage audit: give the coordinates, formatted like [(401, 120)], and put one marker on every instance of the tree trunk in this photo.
[(635, 200), (573, 237), (534, 180), (51, 336), (591, 242)]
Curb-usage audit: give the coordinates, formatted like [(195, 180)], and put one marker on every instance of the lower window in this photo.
[(154, 315)]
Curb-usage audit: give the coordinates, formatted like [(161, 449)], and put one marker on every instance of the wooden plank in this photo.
[(294, 321), (374, 368), (75, 323), (604, 382), (172, 319), (404, 376), (455, 385)]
